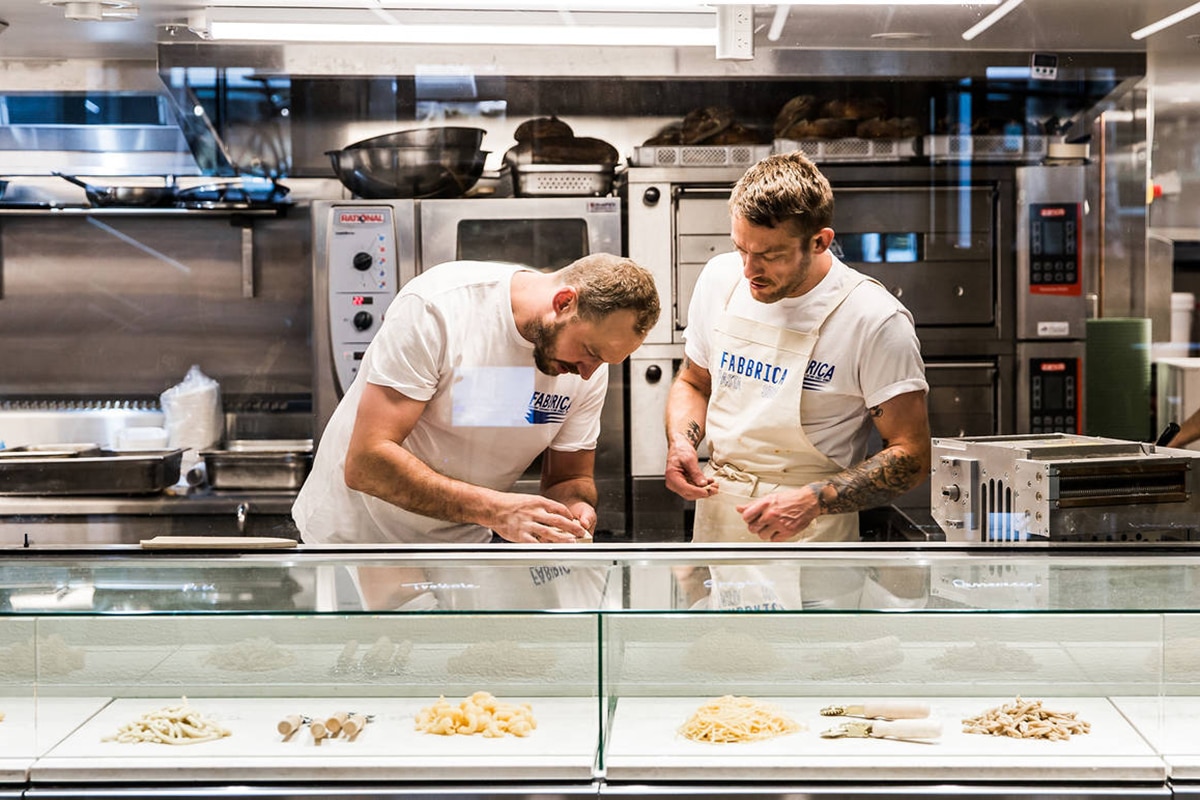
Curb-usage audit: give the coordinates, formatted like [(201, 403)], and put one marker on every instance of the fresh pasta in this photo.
[(480, 713), (1026, 719), (737, 719), (179, 724)]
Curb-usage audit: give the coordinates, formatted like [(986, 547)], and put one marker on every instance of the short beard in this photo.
[(544, 338)]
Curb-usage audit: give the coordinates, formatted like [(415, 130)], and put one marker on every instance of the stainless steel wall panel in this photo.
[(122, 305)]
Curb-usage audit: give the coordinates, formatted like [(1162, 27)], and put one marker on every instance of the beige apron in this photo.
[(760, 447)]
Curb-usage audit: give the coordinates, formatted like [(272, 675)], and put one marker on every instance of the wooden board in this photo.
[(217, 543)]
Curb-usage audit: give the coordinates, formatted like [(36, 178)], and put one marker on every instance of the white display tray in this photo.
[(644, 746), (563, 747), (1172, 726), (31, 727)]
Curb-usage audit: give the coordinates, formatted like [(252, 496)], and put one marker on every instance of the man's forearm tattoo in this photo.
[(883, 476), (693, 433)]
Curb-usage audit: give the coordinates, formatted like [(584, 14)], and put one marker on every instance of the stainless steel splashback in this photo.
[(109, 304)]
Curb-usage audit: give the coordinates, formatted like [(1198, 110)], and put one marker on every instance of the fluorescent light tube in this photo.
[(1166, 22), (990, 20), (465, 34)]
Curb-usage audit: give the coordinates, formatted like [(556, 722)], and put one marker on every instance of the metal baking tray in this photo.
[(109, 472), (259, 464), (57, 450)]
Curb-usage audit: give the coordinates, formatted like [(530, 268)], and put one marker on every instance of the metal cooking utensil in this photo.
[(138, 196), (908, 729)]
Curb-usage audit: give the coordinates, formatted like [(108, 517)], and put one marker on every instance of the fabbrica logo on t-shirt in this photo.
[(547, 408)]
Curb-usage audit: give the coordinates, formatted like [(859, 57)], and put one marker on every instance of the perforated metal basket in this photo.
[(568, 180)]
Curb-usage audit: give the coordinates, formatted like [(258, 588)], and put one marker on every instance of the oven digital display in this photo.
[(544, 244), (362, 300), (1054, 238)]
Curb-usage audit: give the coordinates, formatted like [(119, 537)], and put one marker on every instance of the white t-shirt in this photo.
[(449, 338), (867, 352)]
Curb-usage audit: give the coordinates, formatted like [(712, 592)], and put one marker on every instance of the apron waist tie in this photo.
[(751, 480)]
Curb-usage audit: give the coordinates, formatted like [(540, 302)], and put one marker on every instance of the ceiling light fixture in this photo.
[(96, 10), (226, 23), (990, 20), (1166, 22)]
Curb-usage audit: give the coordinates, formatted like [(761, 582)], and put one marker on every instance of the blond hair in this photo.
[(784, 188)]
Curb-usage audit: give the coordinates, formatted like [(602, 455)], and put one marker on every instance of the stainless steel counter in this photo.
[(128, 520)]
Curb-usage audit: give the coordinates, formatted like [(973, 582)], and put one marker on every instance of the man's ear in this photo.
[(564, 300), (822, 241)]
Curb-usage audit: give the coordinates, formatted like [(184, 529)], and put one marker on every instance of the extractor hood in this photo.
[(86, 117), (91, 133)]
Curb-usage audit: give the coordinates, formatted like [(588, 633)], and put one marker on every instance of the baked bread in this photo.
[(542, 128), (800, 108), (562, 150)]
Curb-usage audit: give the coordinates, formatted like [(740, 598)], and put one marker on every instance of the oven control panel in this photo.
[(1054, 265), (1054, 392), (363, 279)]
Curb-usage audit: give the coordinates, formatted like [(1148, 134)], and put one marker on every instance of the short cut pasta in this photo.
[(480, 713), (179, 724)]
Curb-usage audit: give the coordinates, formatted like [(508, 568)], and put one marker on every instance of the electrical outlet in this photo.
[(735, 32)]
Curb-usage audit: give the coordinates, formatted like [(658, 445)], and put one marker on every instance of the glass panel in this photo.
[(429, 693)]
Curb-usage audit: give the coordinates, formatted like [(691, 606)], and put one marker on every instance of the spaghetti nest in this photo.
[(737, 719)]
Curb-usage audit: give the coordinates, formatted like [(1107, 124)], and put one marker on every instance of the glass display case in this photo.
[(797, 672)]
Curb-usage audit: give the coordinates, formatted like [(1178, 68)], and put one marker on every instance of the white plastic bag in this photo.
[(193, 415)]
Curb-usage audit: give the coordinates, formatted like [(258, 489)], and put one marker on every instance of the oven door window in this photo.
[(544, 244)]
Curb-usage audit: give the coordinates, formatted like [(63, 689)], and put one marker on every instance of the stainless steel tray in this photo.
[(250, 464), (110, 472), (57, 450)]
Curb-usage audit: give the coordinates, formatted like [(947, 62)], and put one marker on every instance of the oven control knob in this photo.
[(651, 196), (952, 493), (362, 261), (363, 320), (653, 373)]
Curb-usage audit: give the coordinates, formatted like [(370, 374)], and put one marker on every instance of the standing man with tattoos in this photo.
[(791, 358)]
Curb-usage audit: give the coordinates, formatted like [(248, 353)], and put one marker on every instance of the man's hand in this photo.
[(585, 515), (683, 473), (531, 518), (781, 516)]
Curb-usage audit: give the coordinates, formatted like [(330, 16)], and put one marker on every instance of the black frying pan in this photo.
[(141, 196)]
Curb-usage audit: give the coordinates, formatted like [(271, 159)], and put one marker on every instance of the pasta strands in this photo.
[(737, 719)]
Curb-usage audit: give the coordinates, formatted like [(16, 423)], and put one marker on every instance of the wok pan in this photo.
[(142, 196)]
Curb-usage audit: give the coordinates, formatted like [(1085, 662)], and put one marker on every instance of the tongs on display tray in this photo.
[(907, 729), (882, 709)]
